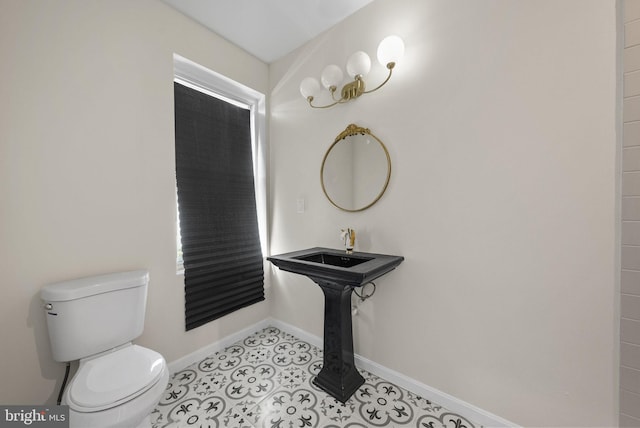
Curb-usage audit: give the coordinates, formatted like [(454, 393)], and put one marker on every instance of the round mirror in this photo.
[(355, 170)]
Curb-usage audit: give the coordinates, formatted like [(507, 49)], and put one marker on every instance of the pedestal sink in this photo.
[(337, 273)]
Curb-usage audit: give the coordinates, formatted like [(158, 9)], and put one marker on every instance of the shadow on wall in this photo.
[(49, 369)]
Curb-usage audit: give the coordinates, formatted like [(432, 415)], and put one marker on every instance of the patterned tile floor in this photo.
[(265, 381)]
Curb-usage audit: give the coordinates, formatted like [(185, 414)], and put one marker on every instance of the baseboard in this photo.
[(486, 419), (297, 332), (225, 342), (454, 404)]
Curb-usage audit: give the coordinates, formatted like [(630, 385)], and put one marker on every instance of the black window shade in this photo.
[(216, 199)]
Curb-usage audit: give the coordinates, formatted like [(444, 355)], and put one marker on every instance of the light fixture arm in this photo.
[(350, 91), (390, 67), (310, 100)]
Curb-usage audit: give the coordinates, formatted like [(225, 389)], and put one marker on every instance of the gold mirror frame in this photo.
[(353, 130)]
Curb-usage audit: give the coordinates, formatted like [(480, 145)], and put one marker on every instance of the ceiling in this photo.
[(268, 29)]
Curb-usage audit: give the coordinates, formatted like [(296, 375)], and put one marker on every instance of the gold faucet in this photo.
[(349, 237)]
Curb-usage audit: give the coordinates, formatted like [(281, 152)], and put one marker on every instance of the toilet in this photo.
[(94, 320)]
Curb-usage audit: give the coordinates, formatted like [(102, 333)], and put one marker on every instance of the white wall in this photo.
[(87, 167), (500, 121)]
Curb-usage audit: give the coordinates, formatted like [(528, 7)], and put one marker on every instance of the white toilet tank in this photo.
[(90, 315)]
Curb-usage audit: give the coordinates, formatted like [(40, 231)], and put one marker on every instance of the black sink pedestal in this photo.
[(339, 376), (337, 273)]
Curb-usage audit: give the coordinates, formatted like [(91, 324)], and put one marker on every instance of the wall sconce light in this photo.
[(390, 50)]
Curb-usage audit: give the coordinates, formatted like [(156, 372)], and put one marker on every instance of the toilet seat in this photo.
[(113, 378)]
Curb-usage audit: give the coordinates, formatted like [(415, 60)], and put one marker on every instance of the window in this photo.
[(221, 198)]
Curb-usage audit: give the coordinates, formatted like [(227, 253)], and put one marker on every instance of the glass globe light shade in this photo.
[(309, 87), (359, 63), (391, 49), (331, 76)]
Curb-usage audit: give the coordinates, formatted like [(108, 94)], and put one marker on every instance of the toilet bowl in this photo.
[(116, 389), (93, 320)]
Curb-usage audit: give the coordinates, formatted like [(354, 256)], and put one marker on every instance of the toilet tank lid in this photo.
[(92, 285)]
